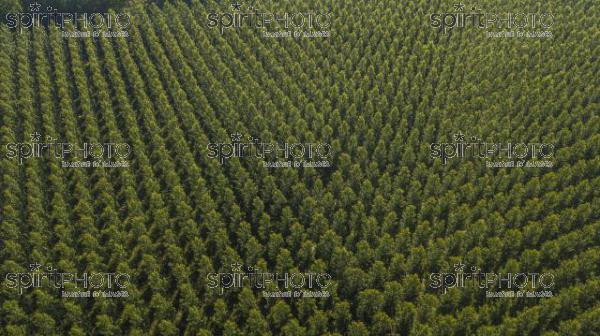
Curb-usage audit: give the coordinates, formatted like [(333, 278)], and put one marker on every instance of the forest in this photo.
[(182, 173)]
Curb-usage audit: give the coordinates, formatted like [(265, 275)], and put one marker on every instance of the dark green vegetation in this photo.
[(92, 6), (380, 90)]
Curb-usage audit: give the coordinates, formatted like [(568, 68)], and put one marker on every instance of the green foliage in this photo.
[(385, 216), (72, 6)]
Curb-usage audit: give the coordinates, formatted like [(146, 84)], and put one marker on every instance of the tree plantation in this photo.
[(320, 167)]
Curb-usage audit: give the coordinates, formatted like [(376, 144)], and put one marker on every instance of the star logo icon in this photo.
[(459, 137), (236, 5), (35, 137), (236, 137), (34, 7), (34, 267), (459, 6), (236, 267), (459, 267)]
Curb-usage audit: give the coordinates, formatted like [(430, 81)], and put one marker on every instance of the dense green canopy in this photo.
[(380, 90)]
